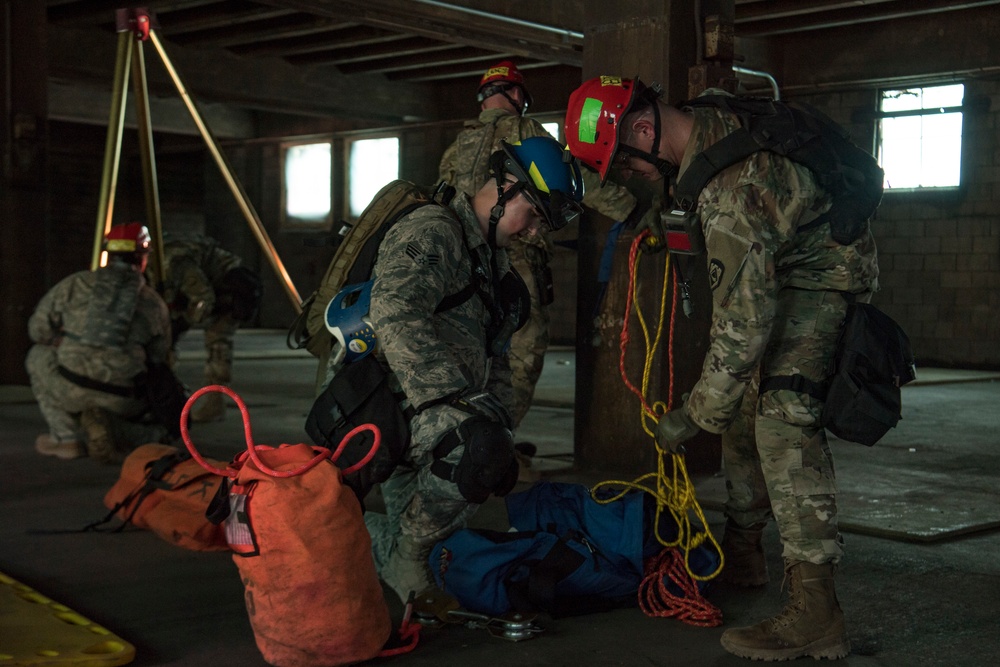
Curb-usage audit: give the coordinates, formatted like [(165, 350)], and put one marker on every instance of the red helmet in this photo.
[(128, 238), (499, 78), (593, 119)]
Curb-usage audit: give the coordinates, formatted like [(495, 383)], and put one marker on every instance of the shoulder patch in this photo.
[(716, 270), (421, 258)]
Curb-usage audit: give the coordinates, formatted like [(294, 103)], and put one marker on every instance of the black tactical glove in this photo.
[(675, 428)]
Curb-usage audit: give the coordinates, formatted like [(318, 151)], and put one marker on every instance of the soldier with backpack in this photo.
[(504, 100), (787, 247), (438, 311)]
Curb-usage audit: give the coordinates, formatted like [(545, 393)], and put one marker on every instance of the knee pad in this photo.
[(487, 464)]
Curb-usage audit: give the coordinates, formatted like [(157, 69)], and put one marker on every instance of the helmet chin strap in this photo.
[(666, 169), (519, 108)]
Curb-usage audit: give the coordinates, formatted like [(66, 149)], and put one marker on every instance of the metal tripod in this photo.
[(135, 27)]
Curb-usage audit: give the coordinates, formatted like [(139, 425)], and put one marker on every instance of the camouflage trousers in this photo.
[(219, 333), (421, 508), (61, 403), (528, 345), (777, 459)]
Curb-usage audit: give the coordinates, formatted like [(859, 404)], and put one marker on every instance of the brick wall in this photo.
[(939, 252)]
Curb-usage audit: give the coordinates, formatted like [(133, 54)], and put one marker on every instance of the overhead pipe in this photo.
[(568, 34), (762, 75)]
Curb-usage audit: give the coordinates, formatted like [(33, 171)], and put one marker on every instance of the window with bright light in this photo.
[(372, 163), (920, 137), (553, 129), (307, 183)]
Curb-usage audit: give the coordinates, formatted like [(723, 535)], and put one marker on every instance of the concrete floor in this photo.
[(930, 599)]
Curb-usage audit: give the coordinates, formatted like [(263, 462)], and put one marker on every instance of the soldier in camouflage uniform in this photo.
[(504, 99), (452, 365), (94, 334), (207, 286), (777, 308)]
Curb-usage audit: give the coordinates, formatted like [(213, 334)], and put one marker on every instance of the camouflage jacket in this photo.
[(423, 259), (60, 319), (465, 164), (194, 267), (751, 214)]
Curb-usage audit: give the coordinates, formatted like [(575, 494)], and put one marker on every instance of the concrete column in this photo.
[(24, 224), (657, 41)]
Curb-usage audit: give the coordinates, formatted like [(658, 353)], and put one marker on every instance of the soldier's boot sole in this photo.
[(66, 450), (101, 444)]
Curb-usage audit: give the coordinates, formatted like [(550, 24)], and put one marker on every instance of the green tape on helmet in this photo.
[(589, 114)]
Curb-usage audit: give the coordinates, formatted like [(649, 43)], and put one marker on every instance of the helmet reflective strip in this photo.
[(537, 178), (121, 245), (589, 114)]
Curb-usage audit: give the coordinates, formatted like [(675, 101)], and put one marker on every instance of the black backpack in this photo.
[(804, 135)]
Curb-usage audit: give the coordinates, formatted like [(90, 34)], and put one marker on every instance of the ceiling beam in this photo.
[(93, 11), (349, 36), (289, 26), (455, 24), (426, 63), (269, 84), (362, 54)]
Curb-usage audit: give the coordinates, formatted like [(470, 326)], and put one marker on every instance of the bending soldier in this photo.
[(96, 333), (451, 363), (778, 303), (207, 286), (504, 100)]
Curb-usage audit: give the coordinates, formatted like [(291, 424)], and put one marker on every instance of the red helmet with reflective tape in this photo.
[(500, 78), (593, 119), (131, 237)]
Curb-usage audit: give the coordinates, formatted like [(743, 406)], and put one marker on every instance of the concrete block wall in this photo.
[(939, 251)]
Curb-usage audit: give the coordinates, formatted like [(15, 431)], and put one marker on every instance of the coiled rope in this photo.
[(673, 492)]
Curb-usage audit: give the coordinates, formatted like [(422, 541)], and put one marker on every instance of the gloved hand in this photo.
[(675, 428), (654, 223), (486, 404)]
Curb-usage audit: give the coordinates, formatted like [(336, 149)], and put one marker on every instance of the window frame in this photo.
[(293, 223), (349, 142), (961, 109)]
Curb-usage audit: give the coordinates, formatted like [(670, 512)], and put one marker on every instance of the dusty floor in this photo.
[(920, 584)]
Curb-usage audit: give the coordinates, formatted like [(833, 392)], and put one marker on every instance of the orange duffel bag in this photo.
[(302, 549), (162, 489)]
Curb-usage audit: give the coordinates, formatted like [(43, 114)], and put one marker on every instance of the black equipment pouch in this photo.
[(360, 394), (873, 360), (166, 396), (513, 308)]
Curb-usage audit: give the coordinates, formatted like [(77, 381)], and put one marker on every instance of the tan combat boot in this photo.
[(210, 407), (742, 548), (101, 446), (46, 445), (811, 624)]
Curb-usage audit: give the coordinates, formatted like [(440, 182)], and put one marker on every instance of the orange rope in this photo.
[(655, 598), (658, 601)]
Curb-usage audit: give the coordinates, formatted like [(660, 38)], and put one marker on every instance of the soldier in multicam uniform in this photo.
[(452, 364), (778, 306), (205, 285), (504, 99), (95, 333)]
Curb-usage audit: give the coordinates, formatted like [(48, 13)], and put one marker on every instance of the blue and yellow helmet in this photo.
[(550, 173)]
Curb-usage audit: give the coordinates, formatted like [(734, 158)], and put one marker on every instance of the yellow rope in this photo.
[(674, 492)]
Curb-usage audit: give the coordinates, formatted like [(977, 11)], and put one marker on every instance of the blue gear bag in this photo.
[(566, 554)]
